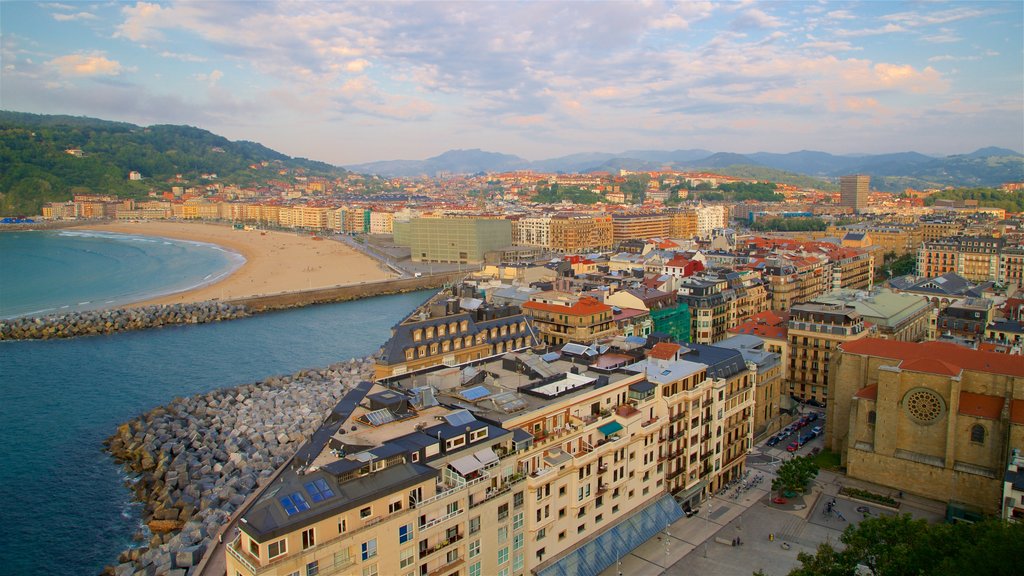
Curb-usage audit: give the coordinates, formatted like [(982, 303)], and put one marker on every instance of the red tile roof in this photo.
[(937, 357), (868, 392), (583, 307), (664, 351), (981, 405), (767, 324)]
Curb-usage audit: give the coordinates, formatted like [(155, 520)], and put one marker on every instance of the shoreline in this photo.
[(275, 262)]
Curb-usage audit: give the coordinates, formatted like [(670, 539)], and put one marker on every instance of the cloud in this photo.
[(357, 65), (951, 58), (755, 18), (184, 57), (61, 17), (830, 45), (86, 65), (914, 19), (887, 29), (944, 36)]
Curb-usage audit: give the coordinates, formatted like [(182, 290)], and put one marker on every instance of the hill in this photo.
[(452, 161), (39, 169)]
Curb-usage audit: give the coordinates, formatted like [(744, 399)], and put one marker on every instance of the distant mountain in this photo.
[(37, 167), (453, 161), (891, 172)]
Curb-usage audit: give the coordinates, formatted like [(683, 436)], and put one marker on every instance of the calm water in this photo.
[(64, 508), (67, 270)]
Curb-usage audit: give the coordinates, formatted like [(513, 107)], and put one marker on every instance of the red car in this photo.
[(793, 447)]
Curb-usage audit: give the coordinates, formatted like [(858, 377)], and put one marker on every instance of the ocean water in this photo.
[(58, 271), (64, 507)]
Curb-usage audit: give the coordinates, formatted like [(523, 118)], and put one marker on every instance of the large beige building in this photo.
[(558, 465), (574, 234), (932, 418), (853, 191), (457, 240), (815, 331)]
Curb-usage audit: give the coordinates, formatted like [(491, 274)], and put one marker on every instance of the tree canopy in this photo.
[(795, 224), (986, 197), (902, 546), (794, 475), (556, 193)]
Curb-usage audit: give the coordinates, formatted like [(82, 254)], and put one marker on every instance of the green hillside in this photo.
[(37, 169), (766, 174)]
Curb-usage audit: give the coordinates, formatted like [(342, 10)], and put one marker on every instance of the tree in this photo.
[(794, 475), (903, 546)]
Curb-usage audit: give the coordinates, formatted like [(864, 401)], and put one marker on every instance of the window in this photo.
[(517, 542), (394, 506), (343, 557), (406, 558), (503, 555), (294, 503), (319, 490), (517, 562), (517, 521), (502, 534), (369, 549), (474, 548), (275, 549), (254, 548), (978, 433), (474, 525), (503, 512), (366, 512), (503, 571), (370, 570), (517, 499), (313, 568), (541, 534), (341, 526), (474, 569), (308, 538), (871, 417), (581, 528), (405, 534), (561, 513)]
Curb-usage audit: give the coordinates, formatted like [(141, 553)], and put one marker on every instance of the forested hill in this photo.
[(37, 167)]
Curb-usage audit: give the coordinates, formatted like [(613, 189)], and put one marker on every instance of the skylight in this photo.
[(319, 490), (294, 504)]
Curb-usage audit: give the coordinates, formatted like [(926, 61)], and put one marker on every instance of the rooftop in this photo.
[(937, 357)]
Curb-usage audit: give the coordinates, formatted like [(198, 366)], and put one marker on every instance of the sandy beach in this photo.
[(275, 262)]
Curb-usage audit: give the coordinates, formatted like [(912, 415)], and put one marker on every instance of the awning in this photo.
[(486, 457), (610, 428), (466, 465)]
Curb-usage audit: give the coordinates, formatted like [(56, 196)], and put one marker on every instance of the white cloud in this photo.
[(61, 17), (184, 57), (887, 29), (86, 65)]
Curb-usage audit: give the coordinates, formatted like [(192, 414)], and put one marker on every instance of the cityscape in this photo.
[(290, 350)]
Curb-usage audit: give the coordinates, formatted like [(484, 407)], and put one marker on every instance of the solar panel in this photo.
[(380, 417), (319, 490), (475, 393), (294, 503), (459, 418), (509, 402)]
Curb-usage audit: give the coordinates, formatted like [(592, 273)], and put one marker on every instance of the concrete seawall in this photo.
[(344, 293)]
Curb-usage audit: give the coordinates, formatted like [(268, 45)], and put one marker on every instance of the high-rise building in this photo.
[(853, 191)]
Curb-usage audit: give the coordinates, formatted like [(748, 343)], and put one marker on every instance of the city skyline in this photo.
[(351, 83)]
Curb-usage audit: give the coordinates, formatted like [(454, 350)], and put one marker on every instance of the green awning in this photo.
[(610, 428)]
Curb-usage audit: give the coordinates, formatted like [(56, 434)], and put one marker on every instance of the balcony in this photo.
[(439, 520), (446, 567), (649, 422), (425, 552), (493, 493), (446, 493)]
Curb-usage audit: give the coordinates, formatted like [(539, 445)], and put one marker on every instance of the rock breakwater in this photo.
[(196, 460), (88, 323)]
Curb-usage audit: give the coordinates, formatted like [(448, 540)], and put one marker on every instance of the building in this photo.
[(668, 316), (532, 231), (853, 191), (560, 318), (639, 226), (966, 318), (895, 316), (932, 418), (815, 332), (574, 234), (766, 368), (456, 240), (1013, 488), (453, 327), (562, 463), (710, 218), (976, 258)]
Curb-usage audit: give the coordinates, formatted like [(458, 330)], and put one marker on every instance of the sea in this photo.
[(64, 508)]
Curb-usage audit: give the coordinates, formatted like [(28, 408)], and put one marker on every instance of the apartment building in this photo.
[(668, 316), (683, 223), (532, 231), (792, 279), (853, 191), (711, 217), (639, 226), (560, 318), (558, 465), (895, 316), (574, 234), (766, 369), (705, 296), (975, 258), (815, 331), (453, 327), (932, 419)]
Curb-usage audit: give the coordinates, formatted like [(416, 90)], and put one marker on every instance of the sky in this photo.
[(356, 82)]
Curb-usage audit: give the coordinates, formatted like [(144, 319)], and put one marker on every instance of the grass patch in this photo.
[(827, 460), (870, 496)]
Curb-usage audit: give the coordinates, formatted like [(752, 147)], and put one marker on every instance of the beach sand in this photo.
[(275, 262)]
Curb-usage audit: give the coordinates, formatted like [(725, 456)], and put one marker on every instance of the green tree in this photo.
[(794, 475)]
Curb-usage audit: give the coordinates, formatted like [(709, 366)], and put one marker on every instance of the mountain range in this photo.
[(984, 167)]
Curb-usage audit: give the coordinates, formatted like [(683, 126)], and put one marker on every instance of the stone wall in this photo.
[(94, 322), (196, 460)]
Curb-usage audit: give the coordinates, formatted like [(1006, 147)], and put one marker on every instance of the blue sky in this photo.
[(356, 82)]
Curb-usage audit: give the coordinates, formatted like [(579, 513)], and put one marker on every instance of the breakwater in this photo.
[(93, 322), (194, 461), (346, 293)]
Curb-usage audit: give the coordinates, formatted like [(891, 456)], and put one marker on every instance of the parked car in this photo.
[(793, 447), (817, 430), (772, 441), (813, 416), (806, 438)]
